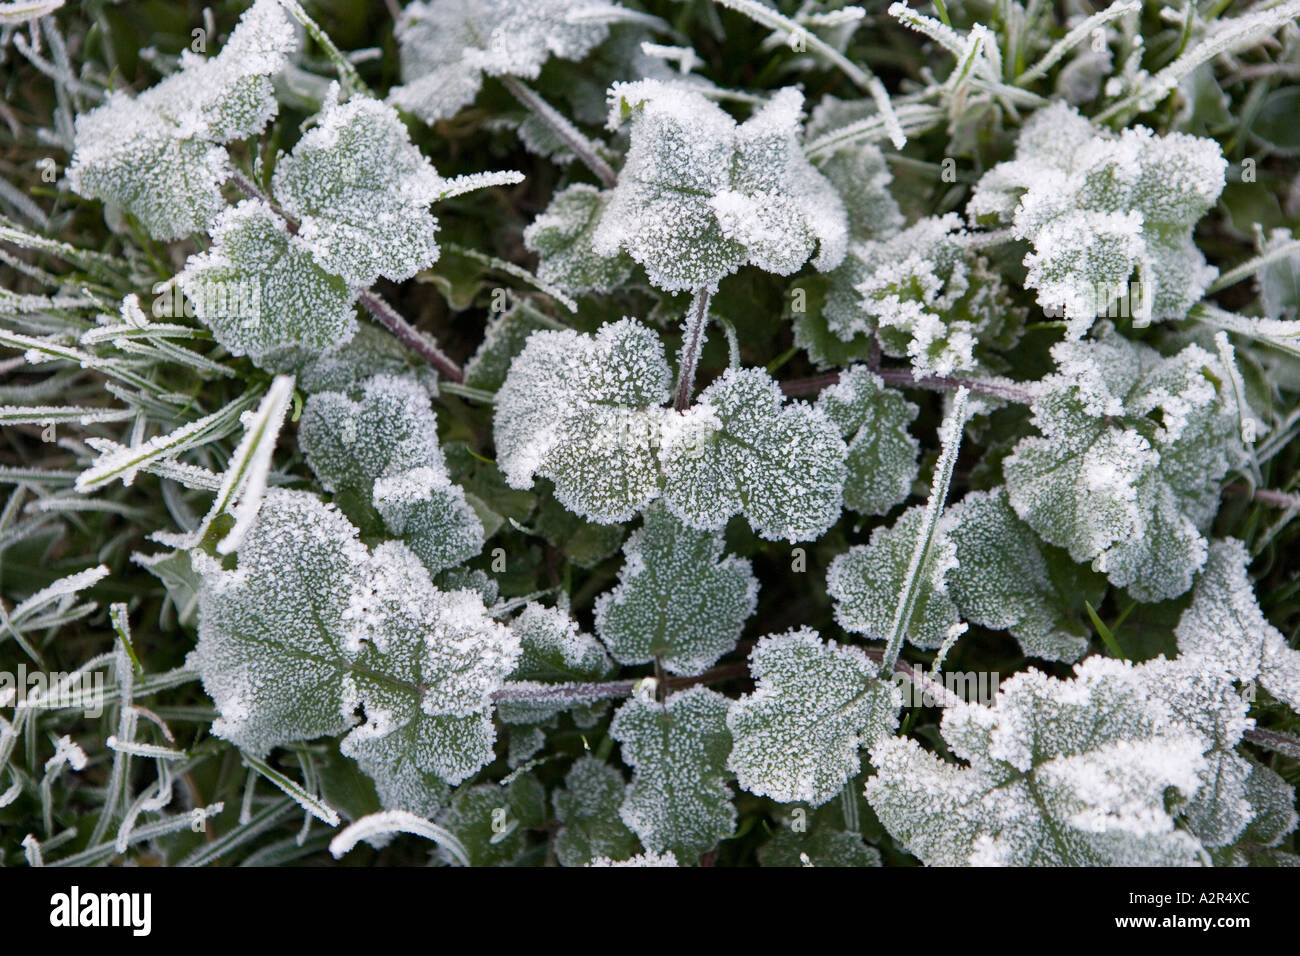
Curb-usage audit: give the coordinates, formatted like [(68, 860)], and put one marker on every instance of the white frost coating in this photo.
[(1064, 772), (1127, 471), (395, 821), (158, 155), (312, 627), (448, 46), (1224, 627), (815, 705), (1102, 211), (586, 412), (678, 598), (677, 800), (700, 196), (641, 859), (66, 751)]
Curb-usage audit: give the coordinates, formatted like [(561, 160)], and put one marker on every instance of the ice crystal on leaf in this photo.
[(678, 598), (361, 192), (866, 580), (382, 452), (641, 859), (700, 195), (1101, 209), (563, 237), (1006, 578), (587, 809), (1060, 772), (159, 155), (927, 297), (1224, 625), (882, 458), (312, 628), (553, 650), (816, 704), (1127, 471), (448, 46), (260, 289), (586, 412), (677, 801)]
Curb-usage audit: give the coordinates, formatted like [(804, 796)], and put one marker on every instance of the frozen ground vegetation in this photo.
[(649, 433)]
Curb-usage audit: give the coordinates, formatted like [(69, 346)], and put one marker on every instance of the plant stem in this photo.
[(691, 346), (582, 147), (1265, 496), (384, 313), (1009, 391), (608, 689), (1278, 743), (404, 332)]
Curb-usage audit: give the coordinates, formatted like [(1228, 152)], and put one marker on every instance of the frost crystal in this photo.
[(554, 650), (1098, 207), (1225, 627), (586, 413), (928, 298), (882, 458), (797, 736), (312, 628), (587, 809), (700, 196), (382, 452), (158, 155), (1006, 578), (447, 46), (677, 800), (866, 580), (1127, 471), (677, 598), (1061, 772), (563, 238), (361, 192)]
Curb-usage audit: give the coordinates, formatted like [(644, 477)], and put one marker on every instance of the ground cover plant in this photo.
[(479, 432)]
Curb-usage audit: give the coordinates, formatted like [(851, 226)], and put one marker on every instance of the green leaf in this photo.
[(678, 598), (588, 810), (563, 238), (1007, 579), (815, 705), (677, 800), (882, 459), (700, 196)]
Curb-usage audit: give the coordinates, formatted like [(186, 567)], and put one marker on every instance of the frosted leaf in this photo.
[(641, 859), (485, 819), (678, 598), (505, 336), (563, 236), (927, 297), (699, 196), (815, 705), (882, 458), (1060, 772), (587, 809), (1272, 805), (1225, 626), (1007, 579), (574, 409), (826, 836), (311, 628), (361, 193), (351, 444), (382, 451), (343, 368), (1127, 472), (1100, 209), (259, 289), (554, 651), (158, 155), (1200, 696), (677, 800), (742, 448), (447, 46), (858, 172), (866, 580)]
